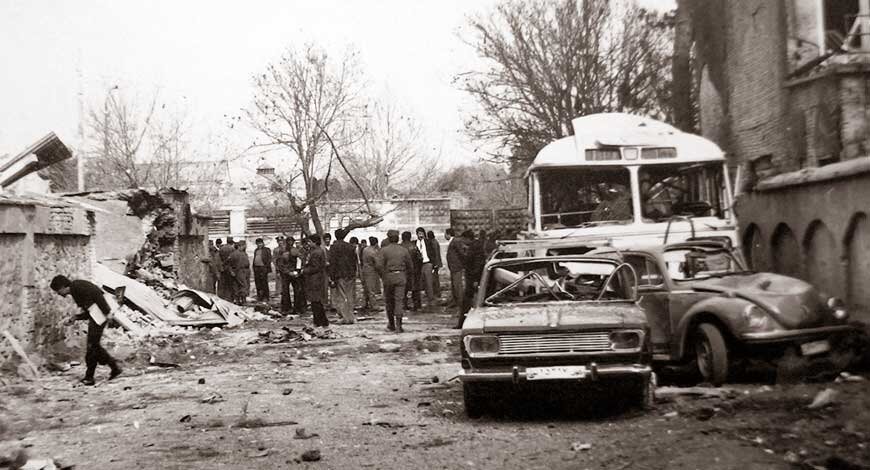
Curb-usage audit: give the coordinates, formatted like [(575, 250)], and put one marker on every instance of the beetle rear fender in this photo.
[(725, 313)]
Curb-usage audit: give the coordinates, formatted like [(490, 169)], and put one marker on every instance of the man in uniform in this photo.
[(241, 273), (227, 282), (342, 273), (370, 272), (474, 261), (394, 264), (297, 282), (95, 309), (213, 270), (315, 279), (262, 265), (456, 253)]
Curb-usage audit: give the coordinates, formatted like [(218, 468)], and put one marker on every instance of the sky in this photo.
[(59, 57)]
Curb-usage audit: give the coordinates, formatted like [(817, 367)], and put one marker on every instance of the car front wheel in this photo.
[(711, 354), (473, 398)]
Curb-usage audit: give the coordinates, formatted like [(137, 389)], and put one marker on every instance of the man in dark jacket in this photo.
[(276, 255), (297, 281), (474, 261), (427, 268), (342, 273), (262, 266), (437, 264), (315, 279), (95, 309), (394, 263), (456, 254), (213, 268), (415, 282), (240, 266)]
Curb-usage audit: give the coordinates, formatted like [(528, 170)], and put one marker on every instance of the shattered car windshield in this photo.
[(692, 189), (691, 264), (585, 197), (551, 280)]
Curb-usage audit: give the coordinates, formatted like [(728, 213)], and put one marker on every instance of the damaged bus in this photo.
[(622, 177)]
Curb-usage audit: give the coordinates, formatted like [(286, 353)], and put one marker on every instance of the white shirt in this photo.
[(421, 245)]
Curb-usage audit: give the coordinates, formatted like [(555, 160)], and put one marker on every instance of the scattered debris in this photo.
[(436, 442), (259, 453), (185, 419), (158, 363), (16, 346), (581, 446), (670, 414), (212, 398), (389, 347), (824, 398), (287, 391), (40, 464), (311, 455), (847, 377), (700, 392), (287, 335), (302, 434), (201, 381)]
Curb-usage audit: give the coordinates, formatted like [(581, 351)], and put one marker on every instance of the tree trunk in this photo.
[(681, 93)]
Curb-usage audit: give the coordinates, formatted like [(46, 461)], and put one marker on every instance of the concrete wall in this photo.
[(818, 232), (37, 243)]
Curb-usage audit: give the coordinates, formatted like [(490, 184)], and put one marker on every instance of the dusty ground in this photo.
[(372, 399)]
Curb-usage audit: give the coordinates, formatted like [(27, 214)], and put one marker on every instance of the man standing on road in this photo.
[(262, 267), (227, 282), (394, 264), (456, 253), (437, 264), (414, 283), (315, 279), (296, 280), (427, 266), (276, 255), (95, 309), (370, 272), (474, 261), (241, 268), (342, 273), (213, 270)]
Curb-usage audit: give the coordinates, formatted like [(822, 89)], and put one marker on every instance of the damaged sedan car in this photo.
[(555, 320), (704, 306)]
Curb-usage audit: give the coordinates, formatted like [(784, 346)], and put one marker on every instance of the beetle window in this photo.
[(687, 264), (648, 274)]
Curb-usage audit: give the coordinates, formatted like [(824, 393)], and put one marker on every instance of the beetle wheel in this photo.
[(711, 354)]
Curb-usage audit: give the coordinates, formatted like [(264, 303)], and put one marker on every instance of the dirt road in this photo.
[(372, 399)]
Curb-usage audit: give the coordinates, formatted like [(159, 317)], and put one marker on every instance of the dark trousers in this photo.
[(95, 353), (298, 295), (286, 300), (457, 289), (261, 280), (227, 286), (394, 293), (471, 281), (319, 315)]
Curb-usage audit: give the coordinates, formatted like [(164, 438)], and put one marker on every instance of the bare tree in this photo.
[(390, 158), (554, 60), (131, 145), (307, 105)]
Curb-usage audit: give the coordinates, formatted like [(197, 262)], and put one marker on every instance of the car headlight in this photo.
[(838, 307), (755, 317), (481, 345), (624, 340)]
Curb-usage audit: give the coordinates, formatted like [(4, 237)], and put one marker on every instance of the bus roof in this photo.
[(615, 130)]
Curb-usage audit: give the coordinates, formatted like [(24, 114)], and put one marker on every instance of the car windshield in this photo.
[(685, 264), (585, 197), (557, 280), (690, 189)]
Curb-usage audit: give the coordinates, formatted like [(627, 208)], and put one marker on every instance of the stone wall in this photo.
[(37, 242)]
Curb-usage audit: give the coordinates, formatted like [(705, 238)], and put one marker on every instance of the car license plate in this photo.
[(815, 347), (556, 373)]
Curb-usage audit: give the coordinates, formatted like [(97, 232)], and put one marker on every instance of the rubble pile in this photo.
[(287, 335)]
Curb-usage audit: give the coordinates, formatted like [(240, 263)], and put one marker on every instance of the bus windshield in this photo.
[(586, 197), (688, 189)]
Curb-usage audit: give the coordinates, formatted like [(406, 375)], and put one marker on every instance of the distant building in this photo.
[(786, 92)]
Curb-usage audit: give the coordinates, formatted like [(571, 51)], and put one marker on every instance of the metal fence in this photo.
[(508, 220)]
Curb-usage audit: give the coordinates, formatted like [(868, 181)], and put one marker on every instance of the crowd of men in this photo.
[(322, 274)]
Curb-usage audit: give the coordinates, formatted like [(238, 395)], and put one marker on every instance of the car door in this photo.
[(654, 299)]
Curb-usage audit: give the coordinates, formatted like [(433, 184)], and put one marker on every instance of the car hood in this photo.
[(792, 302), (555, 316)]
